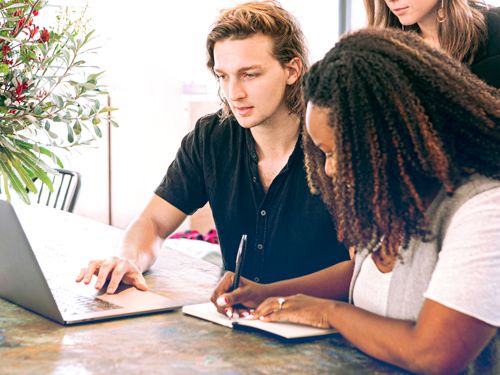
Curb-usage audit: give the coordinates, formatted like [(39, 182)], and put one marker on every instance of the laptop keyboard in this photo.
[(72, 303)]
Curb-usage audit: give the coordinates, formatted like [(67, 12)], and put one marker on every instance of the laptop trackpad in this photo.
[(127, 296)]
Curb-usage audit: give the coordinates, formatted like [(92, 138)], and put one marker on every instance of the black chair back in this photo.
[(66, 190)]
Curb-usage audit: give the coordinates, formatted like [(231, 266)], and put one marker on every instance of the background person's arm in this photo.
[(138, 249)]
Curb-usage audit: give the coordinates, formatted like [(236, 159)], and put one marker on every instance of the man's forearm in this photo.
[(141, 243)]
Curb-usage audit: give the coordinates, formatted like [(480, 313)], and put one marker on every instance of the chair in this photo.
[(66, 190)]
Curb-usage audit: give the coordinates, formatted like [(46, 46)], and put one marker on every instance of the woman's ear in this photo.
[(294, 69)]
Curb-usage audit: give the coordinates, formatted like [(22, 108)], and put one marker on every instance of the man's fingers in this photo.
[(116, 277), (140, 283), (106, 269), (81, 275), (141, 286), (91, 269)]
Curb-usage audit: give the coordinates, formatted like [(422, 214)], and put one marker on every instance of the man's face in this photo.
[(252, 80)]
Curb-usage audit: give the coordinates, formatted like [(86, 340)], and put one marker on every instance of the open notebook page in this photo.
[(207, 311)]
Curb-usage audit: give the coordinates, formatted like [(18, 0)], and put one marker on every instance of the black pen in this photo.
[(239, 263)]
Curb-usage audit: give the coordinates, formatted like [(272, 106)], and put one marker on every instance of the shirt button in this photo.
[(263, 213), (254, 179), (256, 279), (259, 246), (254, 155)]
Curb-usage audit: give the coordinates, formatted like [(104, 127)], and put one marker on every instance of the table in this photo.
[(166, 343)]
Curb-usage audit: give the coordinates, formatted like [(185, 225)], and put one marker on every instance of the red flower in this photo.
[(36, 13), (44, 35), (19, 90), (6, 49), (33, 31), (19, 26)]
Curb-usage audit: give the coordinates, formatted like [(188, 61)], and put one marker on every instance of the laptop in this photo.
[(23, 283)]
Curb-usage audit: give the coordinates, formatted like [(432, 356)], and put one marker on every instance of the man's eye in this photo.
[(222, 77), (251, 75)]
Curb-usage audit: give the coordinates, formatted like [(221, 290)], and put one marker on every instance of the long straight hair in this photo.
[(460, 35)]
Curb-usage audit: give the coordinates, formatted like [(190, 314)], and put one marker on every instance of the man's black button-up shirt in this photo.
[(290, 232)]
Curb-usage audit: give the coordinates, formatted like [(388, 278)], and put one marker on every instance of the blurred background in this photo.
[(153, 54)]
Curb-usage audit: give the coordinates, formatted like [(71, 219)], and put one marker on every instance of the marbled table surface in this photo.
[(165, 343)]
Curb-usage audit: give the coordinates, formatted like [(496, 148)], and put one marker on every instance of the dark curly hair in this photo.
[(404, 116)]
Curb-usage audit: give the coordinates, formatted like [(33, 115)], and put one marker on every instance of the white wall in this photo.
[(148, 52)]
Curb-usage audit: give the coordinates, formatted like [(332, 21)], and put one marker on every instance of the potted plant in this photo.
[(46, 100)]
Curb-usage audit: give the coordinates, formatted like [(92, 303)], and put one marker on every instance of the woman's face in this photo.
[(321, 134), (410, 12)]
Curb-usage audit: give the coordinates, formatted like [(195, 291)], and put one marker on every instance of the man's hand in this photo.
[(241, 301), (114, 269)]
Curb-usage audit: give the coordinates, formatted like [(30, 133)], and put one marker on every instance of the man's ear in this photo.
[(294, 69)]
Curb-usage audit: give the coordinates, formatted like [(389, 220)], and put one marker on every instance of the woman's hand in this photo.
[(297, 309), (247, 296)]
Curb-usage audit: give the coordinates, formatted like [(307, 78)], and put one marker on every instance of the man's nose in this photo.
[(236, 91)]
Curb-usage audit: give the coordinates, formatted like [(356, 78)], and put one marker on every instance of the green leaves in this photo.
[(108, 109), (77, 128), (46, 99), (97, 131), (71, 135), (4, 69), (8, 173), (58, 100)]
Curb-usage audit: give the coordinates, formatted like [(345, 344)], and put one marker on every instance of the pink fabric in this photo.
[(210, 236)]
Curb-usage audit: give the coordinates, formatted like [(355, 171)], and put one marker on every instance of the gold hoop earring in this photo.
[(440, 14)]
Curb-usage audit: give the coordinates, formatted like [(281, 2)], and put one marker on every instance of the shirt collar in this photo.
[(250, 143)]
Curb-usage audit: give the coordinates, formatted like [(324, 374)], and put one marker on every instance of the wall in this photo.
[(150, 51)]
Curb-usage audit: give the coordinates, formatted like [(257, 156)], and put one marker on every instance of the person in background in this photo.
[(246, 160), (403, 145), (467, 30)]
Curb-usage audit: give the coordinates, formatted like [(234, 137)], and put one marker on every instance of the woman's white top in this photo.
[(467, 275), (371, 288)]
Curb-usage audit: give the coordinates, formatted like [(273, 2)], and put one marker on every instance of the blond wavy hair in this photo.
[(268, 18)]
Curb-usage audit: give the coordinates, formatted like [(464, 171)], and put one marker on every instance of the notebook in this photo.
[(207, 311), (22, 282)]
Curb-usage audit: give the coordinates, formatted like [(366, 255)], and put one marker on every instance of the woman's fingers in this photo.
[(218, 297), (270, 306), (297, 309)]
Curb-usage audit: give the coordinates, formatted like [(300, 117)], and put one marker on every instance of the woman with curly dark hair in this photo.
[(468, 30), (403, 145)]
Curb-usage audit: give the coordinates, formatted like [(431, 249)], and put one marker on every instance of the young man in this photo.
[(246, 160)]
